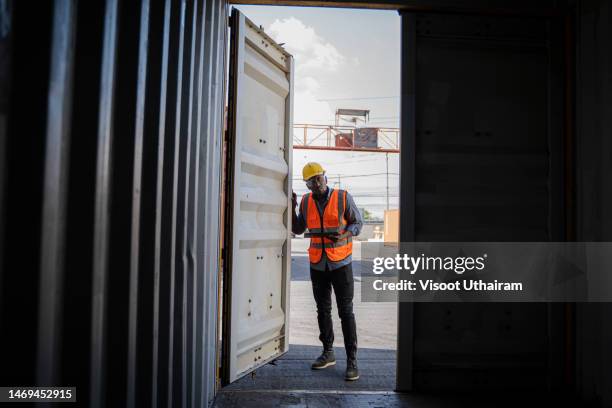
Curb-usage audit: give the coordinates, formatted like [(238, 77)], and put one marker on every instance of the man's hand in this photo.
[(336, 236), (294, 199)]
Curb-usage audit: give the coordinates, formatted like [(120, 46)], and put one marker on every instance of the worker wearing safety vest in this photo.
[(332, 219)]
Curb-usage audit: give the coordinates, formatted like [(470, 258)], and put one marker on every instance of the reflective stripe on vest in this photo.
[(333, 221)]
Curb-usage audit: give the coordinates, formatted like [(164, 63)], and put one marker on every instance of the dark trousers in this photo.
[(341, 280)]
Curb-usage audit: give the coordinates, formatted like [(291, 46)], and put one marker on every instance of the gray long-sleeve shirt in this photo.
[(354, 224)]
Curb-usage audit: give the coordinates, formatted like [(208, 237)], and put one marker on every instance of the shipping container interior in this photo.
[(112, 243)]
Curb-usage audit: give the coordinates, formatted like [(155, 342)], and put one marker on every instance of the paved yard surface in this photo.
[(376, 331), (376, 322), (290, 382)]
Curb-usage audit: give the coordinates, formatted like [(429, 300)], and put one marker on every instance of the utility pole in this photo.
[(387, 157), (340, 181)]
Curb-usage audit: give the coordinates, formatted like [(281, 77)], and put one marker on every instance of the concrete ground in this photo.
[(376, 322), (289, 381)]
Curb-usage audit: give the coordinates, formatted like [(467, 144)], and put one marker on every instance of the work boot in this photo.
[(326, 359), (352, 373)]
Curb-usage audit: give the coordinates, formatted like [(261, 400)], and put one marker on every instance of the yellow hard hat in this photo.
[(312, 169)]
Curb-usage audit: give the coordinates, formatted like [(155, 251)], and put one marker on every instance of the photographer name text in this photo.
[(460, 285)]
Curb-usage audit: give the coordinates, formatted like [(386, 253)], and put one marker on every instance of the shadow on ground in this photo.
[(291, 383), (356, 399)]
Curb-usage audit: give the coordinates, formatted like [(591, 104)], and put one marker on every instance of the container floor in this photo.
[(292, 372)]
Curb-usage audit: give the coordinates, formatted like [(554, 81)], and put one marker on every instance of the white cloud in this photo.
[(315, 59), (311, 51), (307, 83), (307, 107)]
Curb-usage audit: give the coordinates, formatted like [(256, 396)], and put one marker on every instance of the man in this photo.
[(332, 220)]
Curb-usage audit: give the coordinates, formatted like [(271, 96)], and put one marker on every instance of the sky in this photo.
[(344, 58)]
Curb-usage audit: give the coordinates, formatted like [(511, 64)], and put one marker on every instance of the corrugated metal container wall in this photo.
[(481, 146), (594, 188), (111, 179)]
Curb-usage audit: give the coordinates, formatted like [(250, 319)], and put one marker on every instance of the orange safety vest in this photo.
[(333, 221)]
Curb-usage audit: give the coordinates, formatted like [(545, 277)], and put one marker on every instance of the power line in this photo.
[(359, 98), (358, 156), (362, 192), (357, 161), (366, 175), (381, 196), (297, 176)]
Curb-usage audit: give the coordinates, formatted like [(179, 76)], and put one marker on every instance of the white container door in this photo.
[(258, 254)]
